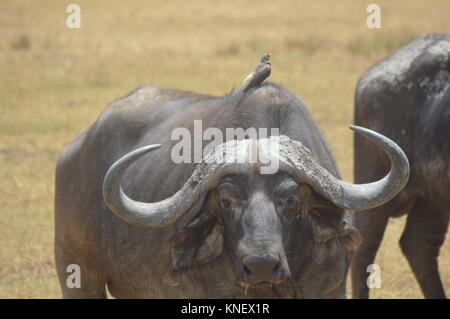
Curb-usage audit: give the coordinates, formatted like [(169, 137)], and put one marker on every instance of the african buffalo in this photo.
[(407, 97), (150, 227)]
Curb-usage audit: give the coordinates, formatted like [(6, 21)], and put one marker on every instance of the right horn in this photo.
[(365, 196), (298, 161)]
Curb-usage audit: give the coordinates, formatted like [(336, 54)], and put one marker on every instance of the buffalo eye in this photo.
[(231, 193), (227, 202), (290, 204)]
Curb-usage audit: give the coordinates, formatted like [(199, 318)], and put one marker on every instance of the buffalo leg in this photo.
[(92, 278), (371, 225), (421, 241)]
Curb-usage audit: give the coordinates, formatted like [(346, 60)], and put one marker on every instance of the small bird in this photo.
[(259, 74)]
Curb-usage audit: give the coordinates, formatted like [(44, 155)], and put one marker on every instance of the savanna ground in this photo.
[(55, 81)]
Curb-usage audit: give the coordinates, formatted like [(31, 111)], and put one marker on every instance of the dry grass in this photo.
[(54, 81)]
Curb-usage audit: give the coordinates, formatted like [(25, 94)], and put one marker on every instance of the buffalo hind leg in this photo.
[(371, 224), (421, 241), (92, 278)]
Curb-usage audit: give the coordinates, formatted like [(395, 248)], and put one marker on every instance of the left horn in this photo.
[(160, 214)]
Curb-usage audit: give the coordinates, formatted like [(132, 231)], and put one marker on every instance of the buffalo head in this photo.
[(259, 219)]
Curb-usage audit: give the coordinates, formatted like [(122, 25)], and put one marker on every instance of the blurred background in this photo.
[(55, 81)]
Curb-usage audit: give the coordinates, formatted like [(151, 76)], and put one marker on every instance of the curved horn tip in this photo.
[(134, 155), (385, 142), (137, 153), (376, 137), (126, 160), (151, 147), (360, 129)]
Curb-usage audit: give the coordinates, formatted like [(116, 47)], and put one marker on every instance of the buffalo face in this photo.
[(269, 222), (256, 213)]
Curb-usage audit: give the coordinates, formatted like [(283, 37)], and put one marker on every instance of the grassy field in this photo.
[(55, 81)]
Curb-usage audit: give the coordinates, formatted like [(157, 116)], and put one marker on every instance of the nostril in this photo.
[(276, 269), (247, 271)]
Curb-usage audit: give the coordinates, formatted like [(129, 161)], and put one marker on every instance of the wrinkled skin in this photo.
[(303, 240), (407, 97)]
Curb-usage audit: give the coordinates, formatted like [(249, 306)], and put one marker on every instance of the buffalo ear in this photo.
[(337, 229), (197, 243), (329, 223)]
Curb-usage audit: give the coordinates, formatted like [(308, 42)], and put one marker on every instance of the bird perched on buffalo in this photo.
[(259, 74)]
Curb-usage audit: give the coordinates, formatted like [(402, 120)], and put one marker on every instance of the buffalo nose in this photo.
[(261, 268)]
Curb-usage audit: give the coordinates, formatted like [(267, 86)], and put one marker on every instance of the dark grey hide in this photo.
[(406, 97)]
